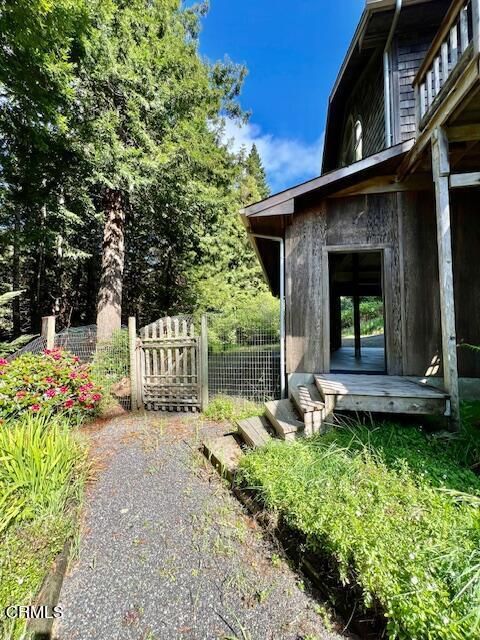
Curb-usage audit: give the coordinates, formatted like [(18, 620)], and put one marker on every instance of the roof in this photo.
[(368, 42), (270, 216), (383, 163)]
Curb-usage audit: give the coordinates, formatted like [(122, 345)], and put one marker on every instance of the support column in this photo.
[(356, 307), (441, 177)]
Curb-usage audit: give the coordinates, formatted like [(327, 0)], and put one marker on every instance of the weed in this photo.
[(227, 408)]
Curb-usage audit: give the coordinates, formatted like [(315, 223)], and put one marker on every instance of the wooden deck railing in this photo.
[(456, 42)]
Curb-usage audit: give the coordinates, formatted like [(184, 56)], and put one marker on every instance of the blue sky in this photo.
[(293, 51)]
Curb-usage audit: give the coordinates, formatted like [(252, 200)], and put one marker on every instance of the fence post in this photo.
[(204, 362), (132, 346), (48, 331)]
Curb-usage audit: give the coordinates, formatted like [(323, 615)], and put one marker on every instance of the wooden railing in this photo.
[(456, 42)]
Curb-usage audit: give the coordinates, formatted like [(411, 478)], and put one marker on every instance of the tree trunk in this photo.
[(109, 307)]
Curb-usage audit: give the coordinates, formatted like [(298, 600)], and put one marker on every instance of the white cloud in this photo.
[(287, 161)]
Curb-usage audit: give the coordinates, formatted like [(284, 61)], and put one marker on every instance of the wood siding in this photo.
[(410, 53), (466, 252), (405, 225), (367, 105), (350, 222)]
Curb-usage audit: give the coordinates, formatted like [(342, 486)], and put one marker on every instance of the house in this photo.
[(393, 216)]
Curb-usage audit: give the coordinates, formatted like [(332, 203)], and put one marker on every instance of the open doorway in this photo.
[(357, 312)]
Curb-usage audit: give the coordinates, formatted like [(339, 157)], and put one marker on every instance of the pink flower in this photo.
[(64, 389), (68, 404), (51, 393), (73, 375), (89, 406), (56, 356), (20, 394), (50, 380), (3, 362), (96, 397), (82, 397), (84, 375), (35, 407), (76, 359), (86, 387)]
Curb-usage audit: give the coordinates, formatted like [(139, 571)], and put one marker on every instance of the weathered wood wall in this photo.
[(405, 224), (466, 272), (351, 222)]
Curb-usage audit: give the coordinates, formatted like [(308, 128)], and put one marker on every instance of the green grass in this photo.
[(231, 409), (385, 505), (42, 473)]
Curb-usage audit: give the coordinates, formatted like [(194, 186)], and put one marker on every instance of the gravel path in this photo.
[(167, 552)]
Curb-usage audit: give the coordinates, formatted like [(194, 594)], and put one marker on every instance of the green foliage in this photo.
[(371, 316), (10, 347), (379, 503), (42, 473), (39, 457), (230, 409), (52, 381)]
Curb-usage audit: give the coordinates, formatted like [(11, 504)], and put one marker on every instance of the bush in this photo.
[(392, 524), (52, 381), (39, 457)]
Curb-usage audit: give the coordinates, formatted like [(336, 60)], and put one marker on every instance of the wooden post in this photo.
[(48, 331), (356, 307), (441, 177), (132, 344), (204, 362)]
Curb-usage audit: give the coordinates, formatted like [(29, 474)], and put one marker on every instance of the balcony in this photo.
[(449, 69)]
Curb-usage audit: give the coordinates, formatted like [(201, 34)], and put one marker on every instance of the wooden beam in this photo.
[(463, 133), (356, 308), (462, 180), (387, 184), (441, 174)]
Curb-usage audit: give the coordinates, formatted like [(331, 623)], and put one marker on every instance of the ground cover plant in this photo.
[(52, 381), (396, 509), (42, 473)]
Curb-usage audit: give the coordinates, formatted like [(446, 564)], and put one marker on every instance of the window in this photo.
[(352, 146), (358, 141)]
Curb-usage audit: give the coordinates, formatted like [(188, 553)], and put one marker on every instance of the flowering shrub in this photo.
[(52, 381)]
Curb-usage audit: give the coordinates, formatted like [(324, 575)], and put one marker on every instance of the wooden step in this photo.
[(309, 404), (255, 431), (224, 453), (284, 419)]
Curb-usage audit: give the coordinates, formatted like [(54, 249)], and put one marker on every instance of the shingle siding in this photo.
[(410, 54), (367, 104)]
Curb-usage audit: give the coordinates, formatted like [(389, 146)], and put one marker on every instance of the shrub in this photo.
[(39, 459), (52, 381), (408, 544)]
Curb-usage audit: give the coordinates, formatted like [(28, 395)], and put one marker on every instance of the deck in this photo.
[(381, 394)]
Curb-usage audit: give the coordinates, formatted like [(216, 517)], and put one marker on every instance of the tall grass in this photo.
[(40, 460)]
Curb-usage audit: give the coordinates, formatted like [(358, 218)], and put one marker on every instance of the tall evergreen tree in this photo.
[(254, 168)]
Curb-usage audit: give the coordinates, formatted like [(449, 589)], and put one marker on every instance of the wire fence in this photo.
[(244, 357)]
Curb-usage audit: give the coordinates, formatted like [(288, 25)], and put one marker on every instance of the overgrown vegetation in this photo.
[(371, 316), (230, 409), (42, 472), (396, 509)]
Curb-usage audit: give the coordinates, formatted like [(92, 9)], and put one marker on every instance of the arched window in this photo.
[(358, 141)]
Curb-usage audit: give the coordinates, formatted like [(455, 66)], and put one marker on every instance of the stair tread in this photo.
[(254, 431), (284, 418), (224, 453), (307, 398)]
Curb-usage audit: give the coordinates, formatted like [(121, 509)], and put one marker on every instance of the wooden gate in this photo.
[(173, 367)]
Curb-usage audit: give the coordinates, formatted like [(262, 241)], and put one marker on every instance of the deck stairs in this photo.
[(311, 407)]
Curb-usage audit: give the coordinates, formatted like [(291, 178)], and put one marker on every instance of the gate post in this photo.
[(132, 347), (48, 331), (204, 362)]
